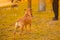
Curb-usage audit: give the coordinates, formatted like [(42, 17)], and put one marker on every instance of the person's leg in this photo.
[(55, 9)]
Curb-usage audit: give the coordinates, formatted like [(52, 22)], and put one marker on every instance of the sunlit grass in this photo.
[(43, 27)]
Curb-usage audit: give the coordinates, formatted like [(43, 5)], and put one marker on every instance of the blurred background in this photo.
[(43, 27)]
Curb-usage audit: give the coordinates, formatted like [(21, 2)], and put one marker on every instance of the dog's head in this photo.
[(27, 11)]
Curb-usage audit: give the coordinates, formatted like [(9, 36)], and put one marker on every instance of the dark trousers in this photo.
[(55, 8)]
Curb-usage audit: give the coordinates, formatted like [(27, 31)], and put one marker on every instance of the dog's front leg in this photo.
[(30, 27), (25, 27)]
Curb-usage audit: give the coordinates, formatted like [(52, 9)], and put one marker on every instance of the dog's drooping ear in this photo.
[(24, 9)]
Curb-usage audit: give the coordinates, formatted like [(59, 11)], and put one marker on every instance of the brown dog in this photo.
[(23, 22)]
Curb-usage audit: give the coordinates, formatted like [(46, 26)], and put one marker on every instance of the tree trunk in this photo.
[(29, 4), (42, 5)]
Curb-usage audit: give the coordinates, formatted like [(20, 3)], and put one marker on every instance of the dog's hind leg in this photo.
[(16, 27), (22, 27), (15, 33)]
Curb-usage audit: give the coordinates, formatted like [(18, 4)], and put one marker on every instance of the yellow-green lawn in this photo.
[(43, 27)]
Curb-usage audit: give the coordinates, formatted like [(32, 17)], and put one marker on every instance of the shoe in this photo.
[(55, 19)]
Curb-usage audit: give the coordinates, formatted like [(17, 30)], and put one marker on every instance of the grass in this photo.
[(43, 27)]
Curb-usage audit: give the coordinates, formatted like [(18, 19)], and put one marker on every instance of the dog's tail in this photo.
[(16, 24)]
